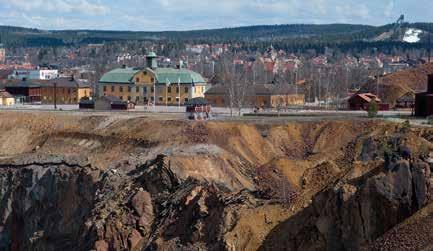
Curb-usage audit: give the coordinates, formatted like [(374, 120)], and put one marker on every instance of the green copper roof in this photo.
[(164, 75), (151, 54), (120, 75)]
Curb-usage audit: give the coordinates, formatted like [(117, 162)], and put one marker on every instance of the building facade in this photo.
[(2, 54), (61, 91), (6, 99), (40, 74), (258, 95), (152, 85)]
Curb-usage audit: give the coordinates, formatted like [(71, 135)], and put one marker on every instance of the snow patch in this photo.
[(412, 36)]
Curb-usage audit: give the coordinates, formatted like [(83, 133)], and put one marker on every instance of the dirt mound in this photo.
[(395, 85)]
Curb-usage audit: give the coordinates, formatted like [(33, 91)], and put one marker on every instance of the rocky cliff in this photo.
[(71, 182)]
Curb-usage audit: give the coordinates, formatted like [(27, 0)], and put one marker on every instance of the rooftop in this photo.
[(163, 76), (172, 75), (5, 94), (120, 75), (151, 55), (61, 82)]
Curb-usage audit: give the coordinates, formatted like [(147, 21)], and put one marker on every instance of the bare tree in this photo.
[(235, 81)]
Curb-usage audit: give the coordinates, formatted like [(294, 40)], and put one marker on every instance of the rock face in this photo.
[(354, 213), (172, 185), (43, 203), (57, 203)]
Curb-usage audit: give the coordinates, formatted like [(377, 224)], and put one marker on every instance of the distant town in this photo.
[(127, 75)]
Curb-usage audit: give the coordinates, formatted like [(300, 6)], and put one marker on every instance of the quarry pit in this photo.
[(108, 182)]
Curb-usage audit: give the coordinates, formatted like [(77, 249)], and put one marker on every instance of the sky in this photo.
[(162, 15)]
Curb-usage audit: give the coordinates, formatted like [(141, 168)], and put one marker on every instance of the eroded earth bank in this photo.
[(70, 182)]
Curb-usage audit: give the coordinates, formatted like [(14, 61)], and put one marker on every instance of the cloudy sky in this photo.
[(156, 15)]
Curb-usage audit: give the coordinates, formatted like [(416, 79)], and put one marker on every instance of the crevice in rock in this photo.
[(362, 220)]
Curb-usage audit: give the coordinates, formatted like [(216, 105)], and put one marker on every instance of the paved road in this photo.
[(164, 113), (217, 110)]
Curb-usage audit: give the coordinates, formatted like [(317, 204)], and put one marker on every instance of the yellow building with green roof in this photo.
[(168, 86)]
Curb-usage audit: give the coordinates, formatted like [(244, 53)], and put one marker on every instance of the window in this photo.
[(129, 88), (120, 88), (137, 80), (177, 89), (145, 73), (137, 89), (152, 98), (144, 89), (129, 98), (186, 99), (169, 99), (69, 91), (161, 99), (137, 99), (169, 89), (105, 88), (152, 80), (152, 89), (121, 98), (186, 89), (112, 88)]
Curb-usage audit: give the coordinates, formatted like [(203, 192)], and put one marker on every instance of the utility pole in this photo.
[(167, 84), (429, 47), (320, 85), (55, 96), (178, 92), (377, 84), (154, 94)]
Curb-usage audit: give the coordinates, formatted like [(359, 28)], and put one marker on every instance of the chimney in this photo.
[(430, 84)]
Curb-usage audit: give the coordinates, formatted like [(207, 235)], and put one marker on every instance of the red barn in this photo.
[(361, 101)]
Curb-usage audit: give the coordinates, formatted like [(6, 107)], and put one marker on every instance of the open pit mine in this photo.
[(105, 182)]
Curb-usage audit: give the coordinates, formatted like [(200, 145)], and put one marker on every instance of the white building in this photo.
[(2, 54), (42, 74)]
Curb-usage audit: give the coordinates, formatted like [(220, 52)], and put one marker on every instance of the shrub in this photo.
[(405, 126), (372, 109)]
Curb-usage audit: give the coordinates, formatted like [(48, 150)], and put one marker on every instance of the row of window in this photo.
[(137, 89), (63, 99), (161, 99)]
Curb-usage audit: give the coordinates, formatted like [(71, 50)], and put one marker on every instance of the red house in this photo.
[(361, 101)]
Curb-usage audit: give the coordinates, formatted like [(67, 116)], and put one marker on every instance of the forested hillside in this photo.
[(290, 37)]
